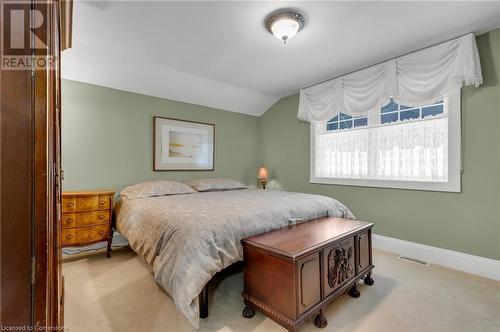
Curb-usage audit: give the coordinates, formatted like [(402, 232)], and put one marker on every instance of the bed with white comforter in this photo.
[(190, 237)]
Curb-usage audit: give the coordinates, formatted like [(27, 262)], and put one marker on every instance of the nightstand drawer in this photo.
[(68, 220), (68, 204), (84, 235), (104, 202), (68, 237), (80, 204), (92, 234), (82, 219)]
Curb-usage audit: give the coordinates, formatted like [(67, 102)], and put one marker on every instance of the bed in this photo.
[(190, 237)]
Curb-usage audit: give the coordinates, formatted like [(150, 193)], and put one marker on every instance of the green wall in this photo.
[(467, 222), (107, 138)]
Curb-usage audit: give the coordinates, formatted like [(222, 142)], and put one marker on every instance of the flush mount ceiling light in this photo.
[(285, 23)]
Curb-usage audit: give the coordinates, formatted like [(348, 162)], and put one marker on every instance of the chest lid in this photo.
[(297, 240)]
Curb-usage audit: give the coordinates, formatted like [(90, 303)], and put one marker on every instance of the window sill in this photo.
[(449, 186)]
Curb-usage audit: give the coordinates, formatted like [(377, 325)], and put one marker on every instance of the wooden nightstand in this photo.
[(86, 218)]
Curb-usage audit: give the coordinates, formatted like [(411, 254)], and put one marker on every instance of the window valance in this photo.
[(420, 78)]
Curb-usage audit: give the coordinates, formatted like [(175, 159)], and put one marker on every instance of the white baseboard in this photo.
[(485, 267)]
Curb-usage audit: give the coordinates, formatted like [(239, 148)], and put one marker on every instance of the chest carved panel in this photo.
[(340, 265)]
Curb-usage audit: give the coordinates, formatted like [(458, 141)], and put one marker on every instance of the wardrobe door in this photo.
[(30, 169), (48, 296), (16, 199)]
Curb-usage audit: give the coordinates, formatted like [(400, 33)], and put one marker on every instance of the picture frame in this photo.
[(182, 145)]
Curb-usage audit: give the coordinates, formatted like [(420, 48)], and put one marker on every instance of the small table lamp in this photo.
[(263, 175)]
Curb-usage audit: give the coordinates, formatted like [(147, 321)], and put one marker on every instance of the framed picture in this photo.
[(183, 145)]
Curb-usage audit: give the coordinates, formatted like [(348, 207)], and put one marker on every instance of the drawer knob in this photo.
[(69, 236), (102, 202), (69, 221), (101, 232), (101, 216), (70, 204)]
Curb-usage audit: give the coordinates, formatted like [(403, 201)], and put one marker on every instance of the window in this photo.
[(398, 147)]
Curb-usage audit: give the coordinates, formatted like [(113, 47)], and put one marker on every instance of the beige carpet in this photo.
[(119, 294)]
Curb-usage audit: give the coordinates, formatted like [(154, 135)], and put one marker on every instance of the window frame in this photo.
[(452, 103)]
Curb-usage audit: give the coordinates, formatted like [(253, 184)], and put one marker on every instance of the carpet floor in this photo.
[(119, 294)]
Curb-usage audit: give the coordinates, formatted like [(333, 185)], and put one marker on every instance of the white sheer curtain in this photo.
[(414, 151), (416, 79)]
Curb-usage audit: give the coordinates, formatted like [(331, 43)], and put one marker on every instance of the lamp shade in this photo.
[(285, 28), (263, 173)]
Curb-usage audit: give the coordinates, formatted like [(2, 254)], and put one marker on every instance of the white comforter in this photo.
[(188, 238)]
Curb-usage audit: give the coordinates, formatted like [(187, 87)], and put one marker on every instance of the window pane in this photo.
[(345, 116), (391, 117), (411, 151), (432, 110), (360, 122), (336, 118), (391, 107), (411, 114), (345, 124), (332, 126)]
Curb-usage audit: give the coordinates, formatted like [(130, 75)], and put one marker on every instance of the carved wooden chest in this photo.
[(292, 273)]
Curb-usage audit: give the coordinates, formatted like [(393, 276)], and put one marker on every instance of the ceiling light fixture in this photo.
[(285, 23)]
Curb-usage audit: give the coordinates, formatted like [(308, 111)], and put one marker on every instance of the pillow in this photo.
[(215, 184), (156, 188)]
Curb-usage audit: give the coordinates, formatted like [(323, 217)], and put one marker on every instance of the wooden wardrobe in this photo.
[(31, 283)]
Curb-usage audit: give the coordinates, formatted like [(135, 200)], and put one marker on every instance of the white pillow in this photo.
[(215, 184), (156, 188)]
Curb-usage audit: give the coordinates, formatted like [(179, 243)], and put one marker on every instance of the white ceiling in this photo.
[(218, 54)]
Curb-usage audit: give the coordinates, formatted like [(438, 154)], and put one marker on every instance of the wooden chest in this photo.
[(86, 218), (292, 273)]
